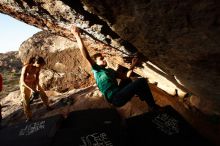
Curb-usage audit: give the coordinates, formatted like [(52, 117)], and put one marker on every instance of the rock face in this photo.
[(181, 38)]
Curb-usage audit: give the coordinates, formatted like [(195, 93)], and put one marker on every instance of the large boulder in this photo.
[(65, 68)]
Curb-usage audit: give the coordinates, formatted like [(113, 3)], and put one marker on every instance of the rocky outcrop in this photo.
[(180, 38)]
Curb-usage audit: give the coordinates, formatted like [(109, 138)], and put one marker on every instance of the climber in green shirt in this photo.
[(107, 83)]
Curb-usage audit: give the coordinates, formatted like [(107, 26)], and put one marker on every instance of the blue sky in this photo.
[(13, 33)]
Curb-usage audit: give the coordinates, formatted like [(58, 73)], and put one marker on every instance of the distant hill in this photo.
[(10, 68), (10, 61)]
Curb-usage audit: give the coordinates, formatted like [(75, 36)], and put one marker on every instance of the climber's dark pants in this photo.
[(139, 87)]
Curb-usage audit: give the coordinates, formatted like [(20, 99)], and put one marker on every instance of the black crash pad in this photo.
[(90, 127), (34, 133), (166, 127)]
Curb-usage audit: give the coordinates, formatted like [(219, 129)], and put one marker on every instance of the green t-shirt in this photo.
[(105, 80)]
